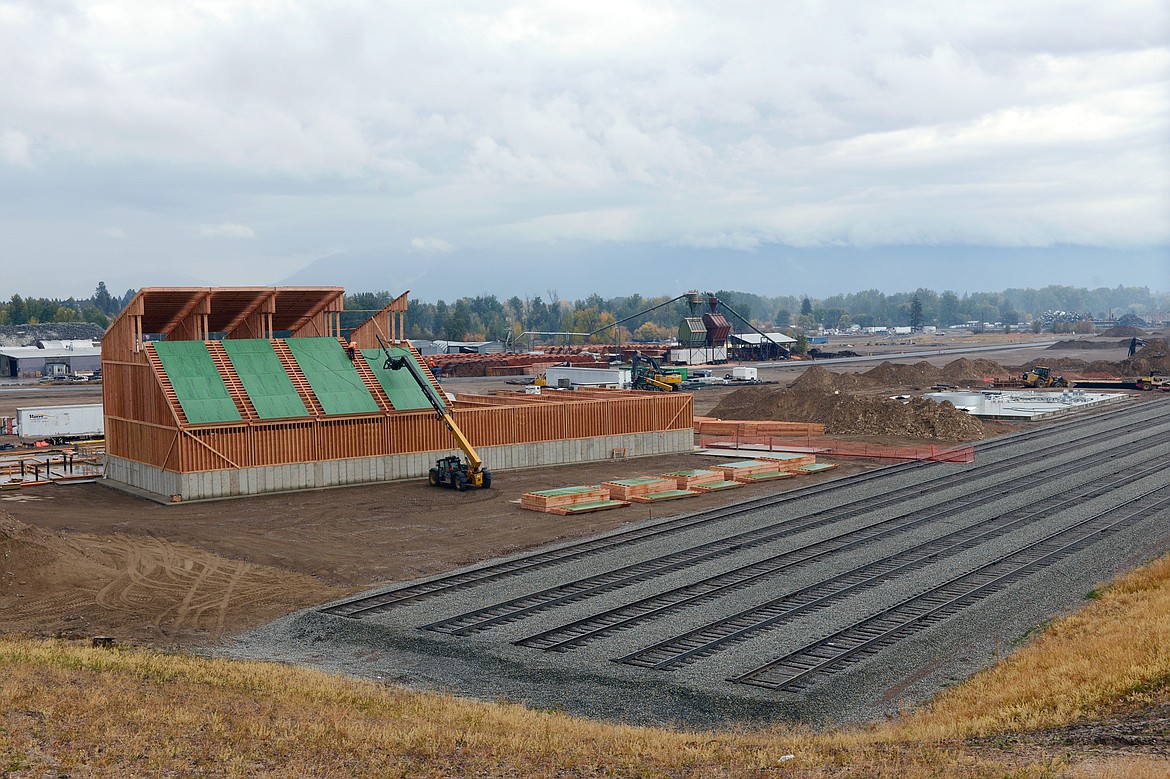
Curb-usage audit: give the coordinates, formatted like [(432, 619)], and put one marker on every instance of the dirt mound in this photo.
[(1154, 356), (845, 414), (39, 559), (820, 379), (1124, 332), (964, 369), (920, 374), (1087, 344)]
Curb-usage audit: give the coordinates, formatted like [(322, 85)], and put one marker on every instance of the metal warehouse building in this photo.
[(51, 358)]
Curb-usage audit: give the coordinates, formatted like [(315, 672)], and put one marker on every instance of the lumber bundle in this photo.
[(749, 470), (817, 467), (716, 486), (685, 480), (658, 497), (755, 428), (544, 500), (790, 461), (625, 489)]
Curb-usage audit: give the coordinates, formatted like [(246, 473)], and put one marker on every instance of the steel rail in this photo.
[(796, 670), (706, 640), (410, 593), (514, 609), (586, 629)]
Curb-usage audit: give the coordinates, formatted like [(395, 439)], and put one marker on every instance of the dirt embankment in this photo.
[(144, 588), (828, 398), (1153, 357)]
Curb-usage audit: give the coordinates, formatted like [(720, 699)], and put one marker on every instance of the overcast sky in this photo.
[(492, 147)]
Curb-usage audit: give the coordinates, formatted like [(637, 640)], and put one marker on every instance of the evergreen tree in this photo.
[(916, 314), (104, 300)]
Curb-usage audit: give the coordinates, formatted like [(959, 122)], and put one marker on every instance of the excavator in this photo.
[(1042, 376), (450, 471), (647, 374)]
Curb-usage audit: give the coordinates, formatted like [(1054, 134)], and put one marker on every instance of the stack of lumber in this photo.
[(701, 480), (658, 497), (570, 500), (755, 428), (625, 489), (790, 461), (816, 467), (751, 471)]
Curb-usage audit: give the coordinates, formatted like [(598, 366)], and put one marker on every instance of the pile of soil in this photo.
[(1124, 332), (1154, 356), (964, 370), (920, 374), (817, 378), (843, 413), (1089, 344)]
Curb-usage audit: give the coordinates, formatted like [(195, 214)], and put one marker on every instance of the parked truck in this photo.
[(58, 424)]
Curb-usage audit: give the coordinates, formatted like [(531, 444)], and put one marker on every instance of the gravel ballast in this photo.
[(392, 647)]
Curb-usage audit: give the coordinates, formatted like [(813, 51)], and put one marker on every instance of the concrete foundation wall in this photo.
[(364, 470)]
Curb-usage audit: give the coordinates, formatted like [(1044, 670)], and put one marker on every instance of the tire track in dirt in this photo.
[(138, 587)]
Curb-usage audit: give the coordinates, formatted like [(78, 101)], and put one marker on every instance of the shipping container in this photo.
[(563, 376), (60, 421)]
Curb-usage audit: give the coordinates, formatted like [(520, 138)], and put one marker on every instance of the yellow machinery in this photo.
[(448, 471), (1042, 376), (647, 374), (1154, 380)]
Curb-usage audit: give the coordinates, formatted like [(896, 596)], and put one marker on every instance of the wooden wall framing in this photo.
[(144, 421)]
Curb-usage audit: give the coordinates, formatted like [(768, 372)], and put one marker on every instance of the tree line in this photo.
[(485, 317), (99, 308)]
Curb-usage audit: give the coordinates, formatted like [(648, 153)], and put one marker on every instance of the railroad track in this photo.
[(801, 668), (399, 596), (721, 634), (578, 633)]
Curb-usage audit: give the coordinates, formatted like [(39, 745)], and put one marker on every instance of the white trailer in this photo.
[(567, 377), (744, 373), (61, 422)]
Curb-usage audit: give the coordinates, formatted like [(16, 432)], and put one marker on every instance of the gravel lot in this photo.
[(585, 681)]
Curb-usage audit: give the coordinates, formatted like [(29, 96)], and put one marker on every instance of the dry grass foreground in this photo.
[(70, 710)]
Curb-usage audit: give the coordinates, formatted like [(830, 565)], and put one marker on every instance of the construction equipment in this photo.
[(647, 374), (450, 471), (1042, 376), (1154, 380)]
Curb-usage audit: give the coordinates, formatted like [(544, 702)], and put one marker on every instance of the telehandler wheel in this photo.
[(433, 477), (460, 482), (487, 480)]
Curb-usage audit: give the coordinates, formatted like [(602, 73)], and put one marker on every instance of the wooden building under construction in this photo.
[(226, 391)]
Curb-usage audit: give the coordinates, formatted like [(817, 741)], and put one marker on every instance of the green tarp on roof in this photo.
[(399, 385), (331, 376), (264, 378), (200, 389)]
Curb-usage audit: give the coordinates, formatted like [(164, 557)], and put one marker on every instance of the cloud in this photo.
[(226, 230), (431, 245), (676, 122), (114, 232), (14, 147)]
